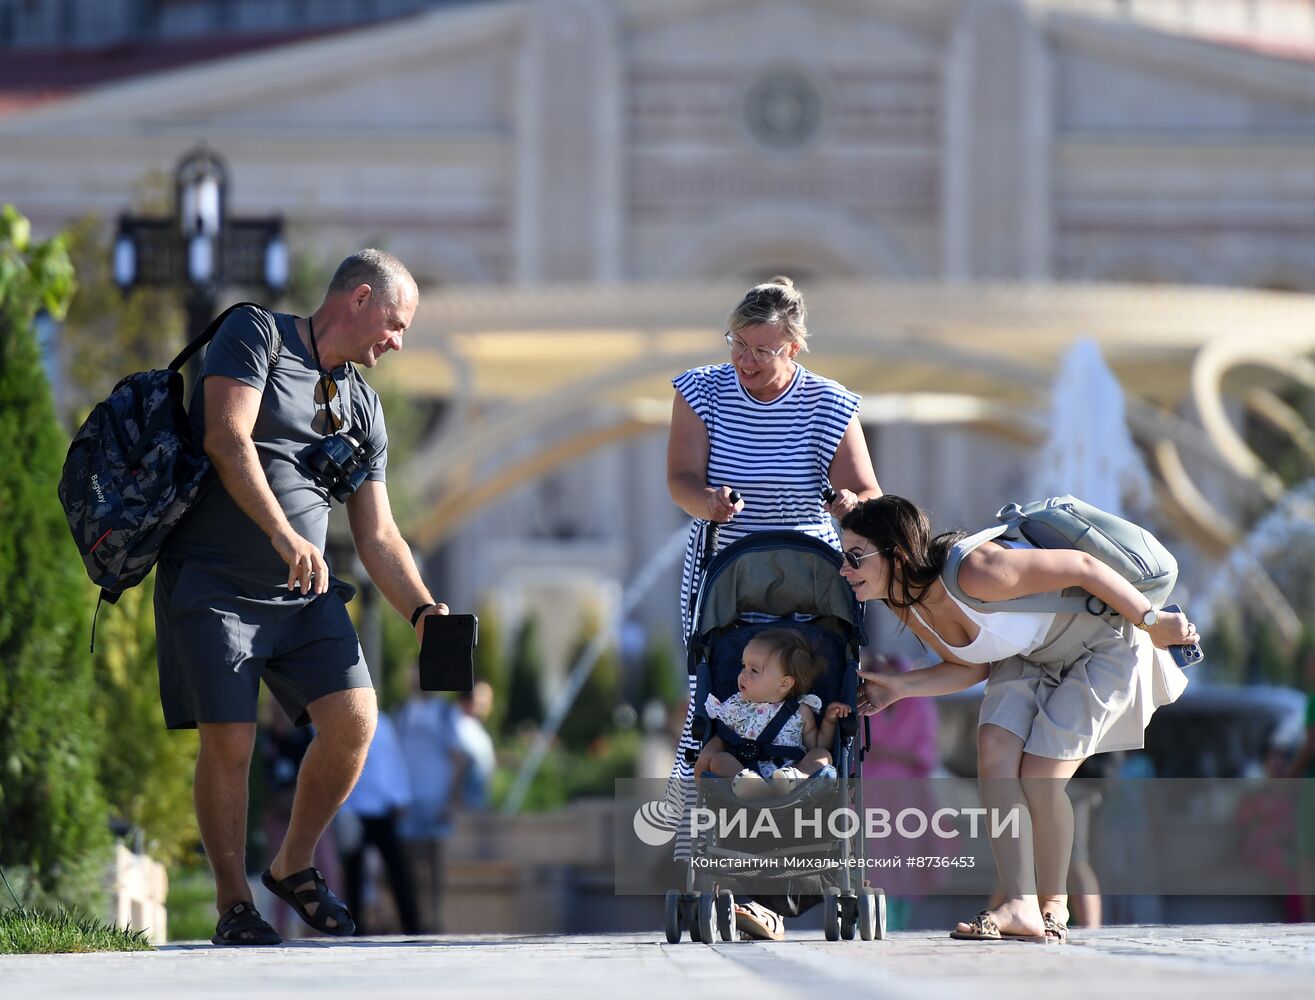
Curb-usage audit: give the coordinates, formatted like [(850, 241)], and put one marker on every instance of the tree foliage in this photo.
[(660, 675), (108, 334), (145, 770), (591, 715), (525, 689), (52, 814)]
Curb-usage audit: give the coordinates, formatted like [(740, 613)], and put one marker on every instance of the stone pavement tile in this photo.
[(1164, 963)]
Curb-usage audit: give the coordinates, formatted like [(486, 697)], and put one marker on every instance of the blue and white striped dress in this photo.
[(778, 456)]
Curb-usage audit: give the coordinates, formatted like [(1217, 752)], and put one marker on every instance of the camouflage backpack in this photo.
[(132, 471)]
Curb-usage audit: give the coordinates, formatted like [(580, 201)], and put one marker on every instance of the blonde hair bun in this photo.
[(775, 302)]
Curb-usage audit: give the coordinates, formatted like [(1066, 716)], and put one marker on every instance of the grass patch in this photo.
[(32, 932)]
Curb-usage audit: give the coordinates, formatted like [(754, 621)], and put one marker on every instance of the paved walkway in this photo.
[(1127, 962)]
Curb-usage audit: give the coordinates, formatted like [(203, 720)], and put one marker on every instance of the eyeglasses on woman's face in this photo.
[(762, 355)]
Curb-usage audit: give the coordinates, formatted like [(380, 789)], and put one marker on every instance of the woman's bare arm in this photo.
[(687, 467), (883, 690), (851, 472), (993, 573)]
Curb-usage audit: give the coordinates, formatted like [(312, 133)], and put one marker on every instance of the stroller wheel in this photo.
[(673, 924), (726, 915), (848, 917), (831, 913), (872, 914), (705, 920)]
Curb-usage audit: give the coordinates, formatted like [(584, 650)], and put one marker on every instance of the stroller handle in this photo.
[(710, 536)]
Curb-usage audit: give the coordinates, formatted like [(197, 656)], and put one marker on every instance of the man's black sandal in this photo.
[(330, 907), (242, 925)]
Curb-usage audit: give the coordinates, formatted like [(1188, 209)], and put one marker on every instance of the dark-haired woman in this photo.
[(1059, 687)]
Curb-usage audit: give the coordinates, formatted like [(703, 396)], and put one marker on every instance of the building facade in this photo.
[(615, 143)]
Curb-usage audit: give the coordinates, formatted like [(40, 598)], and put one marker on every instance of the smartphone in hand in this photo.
[(447, 653), (1184, 656)]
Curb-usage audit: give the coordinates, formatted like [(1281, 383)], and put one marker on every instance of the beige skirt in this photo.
[(1090, 687)]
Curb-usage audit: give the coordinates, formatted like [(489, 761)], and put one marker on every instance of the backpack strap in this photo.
[(958, 552), (208, 334), (1058, 603), (275, 351), (773, 729), (106, 597), (749, 752)]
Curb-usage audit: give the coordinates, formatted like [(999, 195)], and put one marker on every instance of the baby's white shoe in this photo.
[(749, 784), (786, 778)]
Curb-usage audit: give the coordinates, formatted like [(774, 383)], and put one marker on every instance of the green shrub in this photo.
[(1268, 662), (661, 675), (145, 770), (52, 813), (1225, 650), (591, 715), (400, 651), (567, 774), (108, 334), (191, 903), (525, 689)]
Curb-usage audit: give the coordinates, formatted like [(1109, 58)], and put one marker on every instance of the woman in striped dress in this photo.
[(779, 435)]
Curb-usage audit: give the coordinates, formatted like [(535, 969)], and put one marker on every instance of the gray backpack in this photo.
[(1068, 523)]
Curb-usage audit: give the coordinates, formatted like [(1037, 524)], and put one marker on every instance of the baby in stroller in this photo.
[(773, 705)]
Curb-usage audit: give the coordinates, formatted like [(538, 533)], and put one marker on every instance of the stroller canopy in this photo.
[(776, 573)]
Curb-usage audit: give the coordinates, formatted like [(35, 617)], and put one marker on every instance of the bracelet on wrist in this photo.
[(415, 615)]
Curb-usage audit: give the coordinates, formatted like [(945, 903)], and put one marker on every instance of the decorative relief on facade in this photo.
[(859, 138), (783, 109), (849, 105)]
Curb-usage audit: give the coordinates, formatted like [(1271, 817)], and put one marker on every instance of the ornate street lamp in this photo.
[(200, 249)]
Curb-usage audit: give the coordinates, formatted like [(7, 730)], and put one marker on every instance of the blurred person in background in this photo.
[(371, 814), (476, 759), (903, 737), (426, 726), (1087, 792), (903, 753), (764, 426), (282, 747)]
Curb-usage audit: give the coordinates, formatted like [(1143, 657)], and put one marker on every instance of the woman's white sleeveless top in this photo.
[(1002, 633)]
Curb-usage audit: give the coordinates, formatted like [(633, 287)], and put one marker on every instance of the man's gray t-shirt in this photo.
[(216, 532)]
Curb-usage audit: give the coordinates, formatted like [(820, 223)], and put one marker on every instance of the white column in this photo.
[(956, 185), (996, 210), (570, 131)]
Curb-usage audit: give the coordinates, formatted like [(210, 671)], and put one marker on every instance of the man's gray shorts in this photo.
[(218, 636)]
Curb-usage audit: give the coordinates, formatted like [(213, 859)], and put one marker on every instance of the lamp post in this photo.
[(201, 248)]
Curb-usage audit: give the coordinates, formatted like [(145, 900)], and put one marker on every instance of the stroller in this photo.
[(775, 579)]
